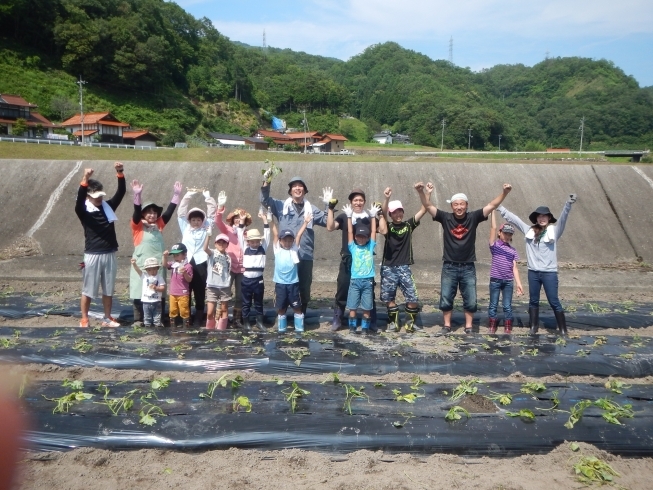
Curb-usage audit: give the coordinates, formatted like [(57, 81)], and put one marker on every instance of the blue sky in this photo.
[(485, 32)]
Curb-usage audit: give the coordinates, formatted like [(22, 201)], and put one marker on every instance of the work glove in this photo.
[(347, 210), (222, 199)]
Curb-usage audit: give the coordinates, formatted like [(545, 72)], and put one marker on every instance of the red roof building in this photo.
[(13, 107), (104, 126)]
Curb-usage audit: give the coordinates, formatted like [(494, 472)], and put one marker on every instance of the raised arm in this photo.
[(513, 219), (275, 232), (219, 214), (424, 192), (493, 228), (206, 245), (170, 210), (307, 219), (373, 212), (136, 268), (266, 217), (116, 199), (496, 202), (562, 221), (387, 194), (80, 203), (137, 189)]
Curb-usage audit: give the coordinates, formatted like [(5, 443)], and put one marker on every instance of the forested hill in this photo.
[(155, 66)]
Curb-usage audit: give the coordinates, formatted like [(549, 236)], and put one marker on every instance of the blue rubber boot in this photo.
[(352, 325), (365, 325), (282, 323), (299, 322)]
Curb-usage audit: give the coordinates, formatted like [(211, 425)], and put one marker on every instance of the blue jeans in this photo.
[(496, 286), (548, 280), (152, 313), (454, 275), (360, 294)]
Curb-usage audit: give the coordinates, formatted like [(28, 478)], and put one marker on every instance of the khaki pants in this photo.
[(179, 306)]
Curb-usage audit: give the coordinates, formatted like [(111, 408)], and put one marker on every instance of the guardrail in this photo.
[(38, 141)]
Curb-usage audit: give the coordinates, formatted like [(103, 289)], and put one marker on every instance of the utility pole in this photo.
[(265, 44), (451, 50), (500, 142), (305, 122), (444, 121), (81, 83), (582, 130), (469, 141)]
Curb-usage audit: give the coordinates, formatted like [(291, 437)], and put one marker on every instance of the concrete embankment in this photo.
[(611, 222)]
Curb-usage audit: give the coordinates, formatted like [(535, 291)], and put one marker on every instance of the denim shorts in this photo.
[(286, 295), (458, 275), (360, 294), (397, 276)]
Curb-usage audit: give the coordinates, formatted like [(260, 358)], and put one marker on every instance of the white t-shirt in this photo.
[(150, 295), (219, 270)]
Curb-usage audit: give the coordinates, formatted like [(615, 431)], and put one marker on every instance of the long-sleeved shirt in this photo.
[(254, 258), (234, 250), (542, 255), (294, 220), (194, 238), (99, 234)]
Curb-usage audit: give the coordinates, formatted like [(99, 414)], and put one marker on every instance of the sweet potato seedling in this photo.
[(417, 382), (241, 402), (532, 388), (73, 384), (149, 412), (612, 411), (332, 377), (502, 398), (466, 387), (63, 404), (577, 413), (82, 345), (117, 404), (454, 413), (350, 394), (524, 413), (616, 386), (160, 383), (297, 354), (590, 469), (408, 397), (294, 395), (234, 383)]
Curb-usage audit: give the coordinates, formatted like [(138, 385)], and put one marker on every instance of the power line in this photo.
[(81, 84)]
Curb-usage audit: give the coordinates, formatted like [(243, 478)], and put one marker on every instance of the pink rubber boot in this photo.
[(210, 324), (223, 323)]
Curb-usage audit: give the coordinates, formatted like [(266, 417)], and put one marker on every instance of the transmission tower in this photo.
[(451, 50)]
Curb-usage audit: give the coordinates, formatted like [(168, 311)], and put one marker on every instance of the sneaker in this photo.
[(159, 325), (411, 328), (445, 330), (392, 327), (110, 322), (83, 323), (137, 324), (468, 331)]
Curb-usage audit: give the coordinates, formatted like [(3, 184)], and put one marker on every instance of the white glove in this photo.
[(269, 216), (190, 193), (222, 199), (347, 210), (374, 211), (267, 174), (206, 194), (572, 198), (327, 195)]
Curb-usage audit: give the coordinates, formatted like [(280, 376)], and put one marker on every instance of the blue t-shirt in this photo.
[(362, 260), (285, 265)]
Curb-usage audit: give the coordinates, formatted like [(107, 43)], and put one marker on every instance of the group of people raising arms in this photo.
[(196, 268)]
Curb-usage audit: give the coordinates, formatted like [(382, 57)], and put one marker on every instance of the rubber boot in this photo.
[(187, 323), (282, 323), (138, 314), (172, 321), (200, 318), (393, 319), (259, 323), (561, 321), (507, 327), (237, 316), (534, 318), (336, 322), (411, 318), (247, 324), (210, 324), (353, 323), (365, 326), (222, 324), (373, 326), (493, 325), (299, 322)]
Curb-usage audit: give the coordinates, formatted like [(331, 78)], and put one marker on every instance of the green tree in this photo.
[(19, 128)]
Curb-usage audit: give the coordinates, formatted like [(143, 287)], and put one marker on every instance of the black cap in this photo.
[(541, 210), (362, 230), (178, 248)]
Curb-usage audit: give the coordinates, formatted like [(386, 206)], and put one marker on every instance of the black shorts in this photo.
[(286, 295)]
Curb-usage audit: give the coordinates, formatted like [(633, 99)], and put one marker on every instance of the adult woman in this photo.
[(542, 253), (147, 223)]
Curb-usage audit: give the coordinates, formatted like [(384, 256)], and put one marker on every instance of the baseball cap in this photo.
[(286, 232), (178, 248), (394, 205), (362, 231), (506, 228), (151, 262), (222, 236)]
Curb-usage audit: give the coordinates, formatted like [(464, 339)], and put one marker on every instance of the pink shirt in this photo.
[(233, 249), (178, 284)]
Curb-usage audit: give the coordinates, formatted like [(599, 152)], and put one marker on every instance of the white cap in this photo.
[(458, 197)]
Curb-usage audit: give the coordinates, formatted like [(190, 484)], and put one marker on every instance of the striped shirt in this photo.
[(503, 257)]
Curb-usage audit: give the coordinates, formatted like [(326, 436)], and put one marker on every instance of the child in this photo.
[(153, 286), (217, 282), (361, 245), (235, 250), (397, 259), (254, 263), (195, 224), (180, 281), (503, 271), (286, 277)]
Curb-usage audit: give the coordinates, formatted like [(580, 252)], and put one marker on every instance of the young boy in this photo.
[(397, 259), (286, 277), (361, 243), (218, 282), (180, 280), (153, 287), (252, 287)]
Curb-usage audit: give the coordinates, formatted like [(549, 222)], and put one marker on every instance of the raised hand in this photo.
[(572, 198), (88, 172), (119, 167), (222, 199), (176, 188), (419, 187), (206, 194), (507, 188), (428, 189), (387, 192), (374, 211), (308, 216), (137, 187), (242, 214), (269, 215), (347, 210), (327, 195), (190, 192)]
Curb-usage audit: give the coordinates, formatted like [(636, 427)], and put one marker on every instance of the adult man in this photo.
[(359, 216), (290, 215), (458, 269), (100, 242)]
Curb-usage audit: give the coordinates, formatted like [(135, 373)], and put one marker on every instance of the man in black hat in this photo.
[(290, 215), (360, 216)]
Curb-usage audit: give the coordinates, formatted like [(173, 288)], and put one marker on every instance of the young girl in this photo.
[(217, 282), (147, 224), (235, 251), (180, 279), (195, 225), (502, 274), (153, 286)]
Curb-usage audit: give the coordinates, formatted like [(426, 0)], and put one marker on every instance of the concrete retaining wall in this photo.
[(612, 220)]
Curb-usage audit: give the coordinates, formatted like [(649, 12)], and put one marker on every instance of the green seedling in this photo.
[(125, 338), (612, 411), (149, 412), (309, 334), (57, 333), (96, 330), (259, 350), (180, 348), (160, 383), (629, 355), (486, 346), (350, 353), (5, 293), (583, 352), (241, 402), (379, 385), (350, 394), (577, 413), (454, 413), (473, 350), (529, 352), (531, 388), (289, 340), (294, 395), (417, 382), (82, 345), (117, 404), (138, 330), (63, 404), (234, 383), (248, 339), (574, 447), (395, 354), (272, 168), (466, 387), (561, 341), (7, 343), (524, 413), (332, 377), (141, 350), (616, 386), (398, 424), (502, 398), (590, 469), (76, 384), (600, 340), (595, 308), (276, 380), (297, 354), (555, 400), (408, 397), (489, 339), (497, 352)]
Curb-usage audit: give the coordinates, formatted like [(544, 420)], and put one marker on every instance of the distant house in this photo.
[(13, 107), (235, 140), (139, 138), (312, 140), (330, 143), (384, 138), (101, 125), (277, 137), (257, 143), (402, 139)]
